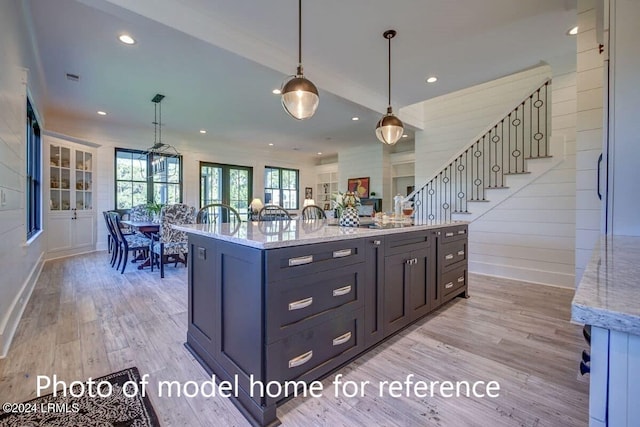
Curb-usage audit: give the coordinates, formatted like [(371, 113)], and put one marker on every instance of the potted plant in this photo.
[(154, 209), (345, 205)]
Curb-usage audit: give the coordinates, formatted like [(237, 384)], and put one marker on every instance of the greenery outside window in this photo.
[(140, 179), (228, 184), (34, 160), (281, 187)]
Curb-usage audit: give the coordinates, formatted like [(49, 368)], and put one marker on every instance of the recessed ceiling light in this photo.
[(319, 153), (102, 113), (203, 131), (271, 144), (126, 39), (355, 119), (405, 135), (432, 79), (573, 31), (276, 91)]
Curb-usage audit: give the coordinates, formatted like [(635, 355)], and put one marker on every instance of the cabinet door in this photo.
[(422, 283), (397, 274), (373, 290), (83, 230), (60, 232)]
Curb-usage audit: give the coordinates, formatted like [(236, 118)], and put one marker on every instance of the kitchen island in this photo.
[(278, 301)]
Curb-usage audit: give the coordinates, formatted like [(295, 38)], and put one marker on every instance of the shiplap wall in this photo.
[(219, 153), (589, 127), (531, 235), (20, 262)]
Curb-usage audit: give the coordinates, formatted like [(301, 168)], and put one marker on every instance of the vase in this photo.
[(349, 217)]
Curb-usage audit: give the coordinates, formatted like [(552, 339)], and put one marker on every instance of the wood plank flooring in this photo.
[(87, 320)]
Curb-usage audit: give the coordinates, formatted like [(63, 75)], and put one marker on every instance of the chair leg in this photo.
[(122, 249), (152, 259), (114, 253), (109, 243), (161, 260), (124, 265)]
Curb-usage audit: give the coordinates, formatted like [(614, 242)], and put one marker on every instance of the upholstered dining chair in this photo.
[(313, 212), (217, 212), (127, 242), (170, 245), (273, 212), (139, 213)]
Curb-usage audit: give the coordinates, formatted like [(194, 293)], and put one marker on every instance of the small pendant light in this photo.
[(299, 95), (389, 129)]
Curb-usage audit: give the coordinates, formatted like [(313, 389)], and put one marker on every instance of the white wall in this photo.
[(218, 153), (20, 262), (531, 235), (588, 134), (373, 161)]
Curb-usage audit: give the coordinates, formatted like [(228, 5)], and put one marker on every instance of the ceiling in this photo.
[(217, 61)]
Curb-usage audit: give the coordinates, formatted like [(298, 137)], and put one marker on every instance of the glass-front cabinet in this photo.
[(71, 186), (70, 179)]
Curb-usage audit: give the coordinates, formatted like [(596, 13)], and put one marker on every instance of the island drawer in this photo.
[(406, 242), (320, 348), (299, 303), (453, 282), (304, 260), (448, 234), (452, 253)]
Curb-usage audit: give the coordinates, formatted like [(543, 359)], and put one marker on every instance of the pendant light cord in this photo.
[(389, 71)]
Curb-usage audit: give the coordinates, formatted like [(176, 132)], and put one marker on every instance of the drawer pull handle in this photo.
[(460, 279), (341, 253), (450, 234), (448, 285), (450, 256), (460, 253), (301, 260), (461, 231), (342, 339), (297, 305), (342, 291), (301, 360), (377, 242)]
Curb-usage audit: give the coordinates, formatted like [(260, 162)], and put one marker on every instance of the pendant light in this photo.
[(299, 95), (389, 129)]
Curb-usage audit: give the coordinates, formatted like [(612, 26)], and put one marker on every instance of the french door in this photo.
[(228, 184)]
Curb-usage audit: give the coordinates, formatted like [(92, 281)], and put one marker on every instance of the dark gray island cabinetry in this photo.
[(297, 304)]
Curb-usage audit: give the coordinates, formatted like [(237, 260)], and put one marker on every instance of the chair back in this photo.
[(178, 213), (313, 212), (139, 213), (107, 220), (273, 212), (217, 212), (116, 227)]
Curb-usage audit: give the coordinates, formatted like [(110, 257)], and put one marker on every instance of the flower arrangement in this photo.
[(341, 201), (154, 208)]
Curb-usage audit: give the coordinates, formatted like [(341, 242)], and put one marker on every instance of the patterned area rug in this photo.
[(115, 410)]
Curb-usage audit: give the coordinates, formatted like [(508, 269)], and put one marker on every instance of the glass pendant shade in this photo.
[(300, 97), (389, 129)]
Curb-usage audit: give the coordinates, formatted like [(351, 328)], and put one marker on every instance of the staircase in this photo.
[(475, 180)]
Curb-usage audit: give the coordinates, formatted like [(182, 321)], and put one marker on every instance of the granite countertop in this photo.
[(608, 295), (279, 234)]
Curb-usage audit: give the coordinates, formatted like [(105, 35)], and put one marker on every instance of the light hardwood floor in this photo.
[(86, 320)]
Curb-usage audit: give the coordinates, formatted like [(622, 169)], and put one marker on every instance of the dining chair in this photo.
[(112, 238), (127, 242), (217, 212), (139, 213), (313, 212), (171, 245), (273, 212)]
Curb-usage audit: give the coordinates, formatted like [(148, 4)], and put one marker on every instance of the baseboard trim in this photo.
[(11, 322), (540, 277), (68, 254)]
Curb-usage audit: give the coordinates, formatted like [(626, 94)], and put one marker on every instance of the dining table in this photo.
[(147, 228)]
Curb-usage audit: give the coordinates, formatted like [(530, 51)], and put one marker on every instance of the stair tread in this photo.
[(497, 188), (472, 200), (538, 157), (516, 173)]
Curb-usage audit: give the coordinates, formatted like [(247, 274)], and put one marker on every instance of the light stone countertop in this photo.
[(280, 234), (608, 295)]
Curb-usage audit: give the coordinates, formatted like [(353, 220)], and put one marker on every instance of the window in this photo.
[(281, 187), (228, 184), (33, 188), (141, 179)]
